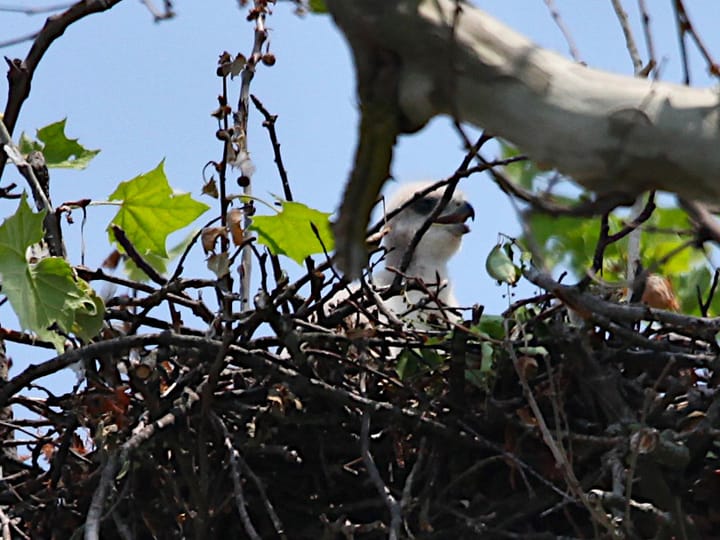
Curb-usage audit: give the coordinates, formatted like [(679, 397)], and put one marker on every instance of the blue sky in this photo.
[(142, 92)]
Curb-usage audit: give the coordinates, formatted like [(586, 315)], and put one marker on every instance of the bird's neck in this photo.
[(428, 272)]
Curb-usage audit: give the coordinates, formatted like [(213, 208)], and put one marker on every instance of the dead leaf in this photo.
[(235, 225), (526, 417), (659, 293), (209, 237), (527, 366)]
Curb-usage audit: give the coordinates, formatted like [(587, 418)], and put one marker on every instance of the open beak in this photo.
[(458, 216)]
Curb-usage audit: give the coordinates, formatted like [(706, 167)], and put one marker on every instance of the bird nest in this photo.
[(521, 426)]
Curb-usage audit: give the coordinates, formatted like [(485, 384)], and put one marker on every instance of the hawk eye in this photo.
[(425, 205)]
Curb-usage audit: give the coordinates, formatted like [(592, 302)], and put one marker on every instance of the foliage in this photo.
[(58, 150), (298, 231), (150, 211), (570, 242), (44, 293), (316, 413), (500, 266), (317, 6)]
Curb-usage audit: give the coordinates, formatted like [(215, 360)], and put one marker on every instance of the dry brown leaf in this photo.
[(526, 417), (235, 221), (659, 293), (210, 236), (527, 366)]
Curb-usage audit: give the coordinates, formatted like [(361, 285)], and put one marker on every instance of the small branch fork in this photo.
[(21, 72), (685, 28)]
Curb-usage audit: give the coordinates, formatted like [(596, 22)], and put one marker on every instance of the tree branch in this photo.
[(21, 72)]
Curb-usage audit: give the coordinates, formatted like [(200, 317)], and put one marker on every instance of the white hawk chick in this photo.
[(429, 262)]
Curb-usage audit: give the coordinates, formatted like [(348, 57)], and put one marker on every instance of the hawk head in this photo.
[(429, 260)]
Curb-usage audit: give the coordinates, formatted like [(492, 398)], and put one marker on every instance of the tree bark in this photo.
[(606, 131)]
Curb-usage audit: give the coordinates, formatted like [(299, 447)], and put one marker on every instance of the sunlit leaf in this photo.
[(58, 150), (290, 232), (47, 293), (150, 211)]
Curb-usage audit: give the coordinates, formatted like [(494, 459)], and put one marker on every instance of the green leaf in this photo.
[(89, 318), (150, 211), (46, 293), (59, 151), (571, 241), (522, 173), (412, 362), (20, 231), (289, 232), (318, 6), (500, 267), (491, 326), (480, 376)]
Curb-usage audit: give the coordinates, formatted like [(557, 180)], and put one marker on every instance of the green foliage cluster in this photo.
[(569, 243), (48, 297)]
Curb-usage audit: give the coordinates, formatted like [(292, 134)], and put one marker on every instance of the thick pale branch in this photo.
[(608, 132)]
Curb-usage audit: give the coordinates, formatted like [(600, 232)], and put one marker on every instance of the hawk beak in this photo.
[(458, 216)]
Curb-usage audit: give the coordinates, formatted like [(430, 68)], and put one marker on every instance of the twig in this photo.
[(709, 227), (269, 124), (6, 143), (561, 459), (647, 30), (22, 71), (19, 39), (135, 255), (274, 518), (406, 500), (240, 134), (392, 504), (563, 29), (240, 502), (97, 504), (606, 239), (590, 305), (685, 26), (629, 38), (35, 10), (705, 304), (5, 522), (157, 14)]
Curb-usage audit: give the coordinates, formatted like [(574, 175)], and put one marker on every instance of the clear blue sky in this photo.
[(142, 92)]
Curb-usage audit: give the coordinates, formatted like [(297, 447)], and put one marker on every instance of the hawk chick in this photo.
[(429, 261)]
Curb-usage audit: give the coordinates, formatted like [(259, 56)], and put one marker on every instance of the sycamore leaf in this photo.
[(490, 326), (318, 6), (20, 231), (89, 318), (290, 232), (46, 293), (150, 211), (59, 151)]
